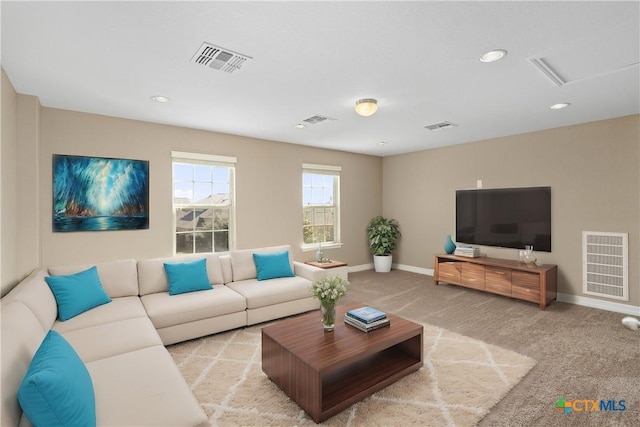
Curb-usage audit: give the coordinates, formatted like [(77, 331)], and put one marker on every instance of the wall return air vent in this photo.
[(219, 58), (605, 265)]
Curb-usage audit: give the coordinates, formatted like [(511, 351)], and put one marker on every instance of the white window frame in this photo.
[(334, 171), (207, 160)]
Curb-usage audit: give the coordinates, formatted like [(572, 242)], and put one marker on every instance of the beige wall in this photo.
[(592, 169), (9, 274), (19, 202), (28, 175), (268, 187)]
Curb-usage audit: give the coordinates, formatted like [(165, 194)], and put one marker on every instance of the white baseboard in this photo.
[(361, 267), (568, 298), (599, 304), (412, 269)]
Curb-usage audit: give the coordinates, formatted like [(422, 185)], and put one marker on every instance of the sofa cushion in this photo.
[(153, 278), (34, 292), (243, 265), (118, 309), (200, 328), (143, 388), (283, 309), (165, 310), (21, 334), (119, 278), (57, 389), (77, 292), (108, 339), (272, 266), (273, 291), (227, 272), (188, 276)]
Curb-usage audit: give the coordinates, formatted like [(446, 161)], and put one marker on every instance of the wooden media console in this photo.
[(534, 283)]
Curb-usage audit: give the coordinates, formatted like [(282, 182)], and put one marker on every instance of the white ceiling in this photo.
[(418, 59)]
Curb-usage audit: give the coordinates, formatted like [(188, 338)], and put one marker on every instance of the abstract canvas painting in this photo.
[(98, 194)]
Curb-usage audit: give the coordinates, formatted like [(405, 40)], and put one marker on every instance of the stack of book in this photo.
[(366, 318), (467, 251)]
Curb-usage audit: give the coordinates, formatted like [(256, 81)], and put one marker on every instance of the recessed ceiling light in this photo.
[(160, 98), (382, 143), (299, 126), (559, 106), (493, 55)]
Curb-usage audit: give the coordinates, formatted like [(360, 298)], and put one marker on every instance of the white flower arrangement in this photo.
[(329, 289)]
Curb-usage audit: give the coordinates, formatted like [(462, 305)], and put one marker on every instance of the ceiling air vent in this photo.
[(219, 58), (440, 126), (317, 119)]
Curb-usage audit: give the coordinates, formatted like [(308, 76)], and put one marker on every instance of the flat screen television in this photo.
[(505, 217)]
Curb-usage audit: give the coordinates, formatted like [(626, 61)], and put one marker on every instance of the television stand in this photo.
[(533, 283)]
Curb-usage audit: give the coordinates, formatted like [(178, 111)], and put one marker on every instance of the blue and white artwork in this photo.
[(98, 194)]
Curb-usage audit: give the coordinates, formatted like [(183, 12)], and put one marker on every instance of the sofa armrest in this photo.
[(309, 272)]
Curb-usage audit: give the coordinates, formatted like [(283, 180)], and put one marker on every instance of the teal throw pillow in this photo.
[(186, 277), (57, 388), (274, 265), (77, 293)]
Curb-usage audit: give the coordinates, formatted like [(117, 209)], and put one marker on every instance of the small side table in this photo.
[(338, 268)]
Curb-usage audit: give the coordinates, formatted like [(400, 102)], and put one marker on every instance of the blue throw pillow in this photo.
[(77, 293), (274, 265), (187, 276), (57, 388)]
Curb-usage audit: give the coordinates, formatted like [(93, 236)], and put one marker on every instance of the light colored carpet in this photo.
[(581, 352), (461, 380)]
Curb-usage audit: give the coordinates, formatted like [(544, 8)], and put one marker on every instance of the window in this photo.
[(320, 206), (203, 202)]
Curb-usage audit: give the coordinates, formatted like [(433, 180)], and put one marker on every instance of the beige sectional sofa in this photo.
[(121, 343)]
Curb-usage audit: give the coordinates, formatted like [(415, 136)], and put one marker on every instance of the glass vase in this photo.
[(328, 311), (319, 254), (529, 257)]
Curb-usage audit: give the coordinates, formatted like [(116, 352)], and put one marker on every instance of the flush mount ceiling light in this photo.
[(559, 106), (366, 107), (160, 98), (493, 55)]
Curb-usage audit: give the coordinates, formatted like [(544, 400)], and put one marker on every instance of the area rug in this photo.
[(461, 380)]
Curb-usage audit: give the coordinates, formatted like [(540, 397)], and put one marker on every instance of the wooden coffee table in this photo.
[(326, 372)]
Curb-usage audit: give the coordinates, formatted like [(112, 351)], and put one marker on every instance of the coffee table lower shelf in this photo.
[(325, 373), (351, 384)]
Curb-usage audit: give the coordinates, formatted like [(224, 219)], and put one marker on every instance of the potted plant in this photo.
[(383, 235)]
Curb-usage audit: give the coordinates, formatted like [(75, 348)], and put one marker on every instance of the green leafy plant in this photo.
[(383, 235)]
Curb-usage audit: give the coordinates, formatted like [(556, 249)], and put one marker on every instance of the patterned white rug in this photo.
[(461, 380)]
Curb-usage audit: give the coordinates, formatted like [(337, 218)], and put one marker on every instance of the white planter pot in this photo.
[(382, 263)]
